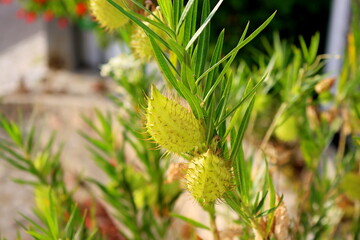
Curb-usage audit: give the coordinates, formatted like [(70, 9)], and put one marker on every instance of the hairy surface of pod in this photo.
[(208, 178), (171, 125), (107, 15)]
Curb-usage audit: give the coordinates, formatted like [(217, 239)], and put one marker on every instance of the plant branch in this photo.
[(214, 230), (272, 127)]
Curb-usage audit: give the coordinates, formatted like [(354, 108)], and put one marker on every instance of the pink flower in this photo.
[(63, 22), (5, 2), (20, 13), (30, 17), (48, 16)]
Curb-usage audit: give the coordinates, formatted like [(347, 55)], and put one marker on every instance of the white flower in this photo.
[(121, 66)]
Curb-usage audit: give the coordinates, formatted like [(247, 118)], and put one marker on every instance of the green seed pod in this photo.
[(288, 130), (107, 15), (140, 42), (208, 178), (171, 125)]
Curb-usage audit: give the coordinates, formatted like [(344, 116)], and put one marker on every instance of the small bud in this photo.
[(313, 116), (171, 125), (324, 85), (208, 178), (330, 114), (352, 50), (175, 172), (107, 15)]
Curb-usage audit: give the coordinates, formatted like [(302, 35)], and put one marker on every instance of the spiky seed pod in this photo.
[(140, 42), (171, 125), (208, 178), (107, 15)]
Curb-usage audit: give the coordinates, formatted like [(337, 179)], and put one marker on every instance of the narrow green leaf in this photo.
[(210, 122), (227, 66), (163, 64), (184, 15), (134, 19), (70, 225), (231, 200), (178, 9), (249, 94), (314, 46), (236, 204), (241, 176), (189, 27), (203, 45), (271, 210), (258, 206), (304, 47), (30, 140), (193, 101), (103, 162), (15, 163), (52, 218), (79, 230), (187, 74), (189, 220), (24, 182), (9, 150), (50, 142), (225, 93), (236, 164), (202, 27), (12, 131), (194, 19), (167, 9), (105, 122), (37, 235), (215, 58), (238, 47), (98, 144), (35, 225), (157, 22), (177, 49), (242, 129), (272, 197)]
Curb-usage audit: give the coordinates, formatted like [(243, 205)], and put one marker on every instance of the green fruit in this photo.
[(288, 130), (208, 178), (171, 125), (350, 185)]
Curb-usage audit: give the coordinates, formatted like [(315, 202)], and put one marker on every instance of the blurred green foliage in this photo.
[(294, 18)]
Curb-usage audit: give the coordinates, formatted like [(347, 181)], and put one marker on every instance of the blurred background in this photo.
[(64, 35)]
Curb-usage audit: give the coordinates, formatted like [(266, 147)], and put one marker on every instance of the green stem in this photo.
[(211, 210), (258, 230), (272, 127), (32, 168)]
